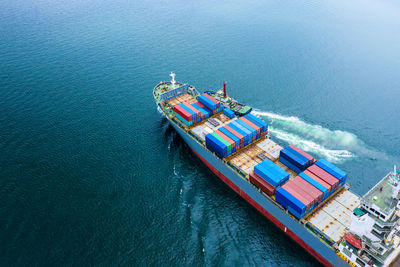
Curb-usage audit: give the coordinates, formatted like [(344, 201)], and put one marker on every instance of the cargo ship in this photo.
[(307, 198)]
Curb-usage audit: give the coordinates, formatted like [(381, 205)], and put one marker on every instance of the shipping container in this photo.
[(319, 180), (294, 191), (311, 189), (238, 135), (188, 123), (332, 169), (226, 143), (207, 102), (330, 179), (286, 162), (198, 113), (204, 112), (314, 183), (229, 113), (213, 100), (299, 156), (258, 128), (271, 172), (183, 113), (246, 133), (262, 184), (290, 202), (303, 191), (205, 109), (230, 135), (308, 156), (257, 121), (194, 115), (215, 145), (238, 130), (227, 138), (295, 158), (253, 131)]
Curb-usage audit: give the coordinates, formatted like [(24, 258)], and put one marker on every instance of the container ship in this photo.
[(307, 198)]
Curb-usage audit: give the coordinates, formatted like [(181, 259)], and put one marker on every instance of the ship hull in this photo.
[(311, 243)]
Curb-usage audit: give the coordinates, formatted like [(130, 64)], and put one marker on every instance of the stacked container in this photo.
[(332, 169), (229, 113), (222, 142), (271, 173), (235, 133), (262, 184), (289, 202), (204, 108), (294, 159), (210, 102), (262, 124), (216, 145), (183, 115), (303, 192), (325, 176), (317, 183)]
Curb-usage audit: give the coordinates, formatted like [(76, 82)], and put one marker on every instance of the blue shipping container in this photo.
[(314, 183), (229, 113), (245, 136), (202, 110), (295, 160), (248, 127), (188, 123), (298, 155), (207, 102), (230, 135), (288, 201), (216, 145), (247, 132), (188, 110), (257, 121), (286, 162), (271, 172), (332, 169)]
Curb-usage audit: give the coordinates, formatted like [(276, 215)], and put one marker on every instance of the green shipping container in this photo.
[(228, 145)]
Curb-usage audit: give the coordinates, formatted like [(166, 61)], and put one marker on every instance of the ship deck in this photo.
[(331, 219)]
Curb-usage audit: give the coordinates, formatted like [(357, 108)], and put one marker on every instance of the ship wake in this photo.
[(334, 145)]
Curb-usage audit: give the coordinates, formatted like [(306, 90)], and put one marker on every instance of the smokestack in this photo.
[(224, 89)]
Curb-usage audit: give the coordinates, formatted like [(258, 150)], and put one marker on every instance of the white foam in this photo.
[(334, 145), (333, 155)]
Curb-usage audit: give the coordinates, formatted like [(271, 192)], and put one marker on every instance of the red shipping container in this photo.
[(288, 187), (202, 116), (324, 175), (200, 104), (302, 153), (226, 138), (186, 115), (212, 99), (310, 189), (319, 180), (198, 113), (238, 135), (301, 190), (266, 187), (258, 128)]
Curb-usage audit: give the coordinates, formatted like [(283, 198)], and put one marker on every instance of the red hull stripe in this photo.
[(265, 213)]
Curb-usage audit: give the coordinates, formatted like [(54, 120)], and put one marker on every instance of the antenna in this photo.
[(224, 89), (394, 170), (172, 78)]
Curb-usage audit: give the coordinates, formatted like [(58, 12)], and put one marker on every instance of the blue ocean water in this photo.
[(90, 174)]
